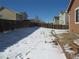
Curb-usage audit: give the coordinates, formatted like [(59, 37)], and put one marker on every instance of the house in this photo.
[(73, 13), (9, 14), (56, 20), (63, 18)]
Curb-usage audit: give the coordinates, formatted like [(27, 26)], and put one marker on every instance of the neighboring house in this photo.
[(63, 18), (9, 14), (73, 11), (24, 15), (56, 20)]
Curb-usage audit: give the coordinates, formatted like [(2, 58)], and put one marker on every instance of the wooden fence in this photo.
[(6, 25), (53, 26)]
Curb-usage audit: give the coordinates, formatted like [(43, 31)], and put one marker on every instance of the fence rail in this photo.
[(6, 25), (54, 26)]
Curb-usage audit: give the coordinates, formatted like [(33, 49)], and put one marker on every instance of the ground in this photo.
[(30, 43)]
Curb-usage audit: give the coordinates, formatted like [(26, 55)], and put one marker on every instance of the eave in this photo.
[(70, 5)]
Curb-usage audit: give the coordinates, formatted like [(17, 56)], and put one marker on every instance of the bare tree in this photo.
[(24, 15)]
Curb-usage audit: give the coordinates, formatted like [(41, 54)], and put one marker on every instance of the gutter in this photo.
[(69, 6)]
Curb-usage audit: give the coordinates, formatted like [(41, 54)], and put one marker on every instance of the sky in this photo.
[(44, 9)]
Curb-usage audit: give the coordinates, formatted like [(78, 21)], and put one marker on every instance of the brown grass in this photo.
[(68, 38)]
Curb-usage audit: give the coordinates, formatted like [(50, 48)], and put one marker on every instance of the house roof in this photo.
[(62, 12), (70, 5), (1, 8)]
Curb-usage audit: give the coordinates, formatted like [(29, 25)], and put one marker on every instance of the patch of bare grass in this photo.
[(67, 38)]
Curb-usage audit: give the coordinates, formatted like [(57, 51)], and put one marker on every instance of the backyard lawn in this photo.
[(30, 43)]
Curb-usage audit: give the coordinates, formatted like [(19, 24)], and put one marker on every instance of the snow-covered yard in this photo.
[(30, 43)]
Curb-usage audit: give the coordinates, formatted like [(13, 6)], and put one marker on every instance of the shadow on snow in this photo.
[(10, 38)]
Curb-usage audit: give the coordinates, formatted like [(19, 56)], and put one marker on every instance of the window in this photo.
[(77, 15)]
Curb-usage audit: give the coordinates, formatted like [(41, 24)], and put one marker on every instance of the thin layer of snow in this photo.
[(67, 49), (76, 41), (31, 43), (76, 57), (60, 31)]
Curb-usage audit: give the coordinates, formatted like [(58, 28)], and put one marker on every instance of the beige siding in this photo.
[(63, 19), (7, 14)]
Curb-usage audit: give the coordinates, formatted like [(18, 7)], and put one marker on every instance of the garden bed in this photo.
[(69, 43)]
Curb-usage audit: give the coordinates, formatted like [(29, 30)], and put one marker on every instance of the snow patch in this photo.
[(34, 45)]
